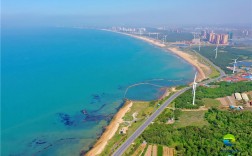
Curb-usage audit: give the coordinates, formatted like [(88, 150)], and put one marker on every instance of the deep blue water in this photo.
[(60, 86)]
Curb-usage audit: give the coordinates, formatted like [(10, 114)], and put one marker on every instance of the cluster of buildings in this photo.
[(215, 38), (241, 96)]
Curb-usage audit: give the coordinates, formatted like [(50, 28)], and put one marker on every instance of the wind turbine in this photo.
[(194, 87), (235, 63), (199, 44), (164, 39), (216, 51)]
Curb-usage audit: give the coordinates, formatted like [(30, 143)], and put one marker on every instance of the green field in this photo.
[(225, 55), (191, 118), (208, 103)]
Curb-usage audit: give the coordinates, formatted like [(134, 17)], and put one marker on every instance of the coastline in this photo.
[(111, 129), (185, 56), (113, 126), (191, 60)]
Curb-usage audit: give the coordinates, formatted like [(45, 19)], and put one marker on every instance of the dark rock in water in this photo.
[(94, 117), (37, 142), (84, 111), (83, 152), (98, 117), (47, 147), (120, 88), (96, 96), (66, 119), (99, 108), (124, 100), (95, 99)]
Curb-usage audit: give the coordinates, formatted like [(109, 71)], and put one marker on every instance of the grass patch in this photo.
[(214, 73), (191, 118), (211, 102), (160, 150)]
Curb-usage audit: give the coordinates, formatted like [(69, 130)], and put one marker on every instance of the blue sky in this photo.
[(126, 12)]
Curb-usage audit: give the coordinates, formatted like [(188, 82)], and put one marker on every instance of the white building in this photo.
[(238, 96), (245, 97)]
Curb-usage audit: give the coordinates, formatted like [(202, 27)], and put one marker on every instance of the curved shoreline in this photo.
[(174, 50), (113, 126)]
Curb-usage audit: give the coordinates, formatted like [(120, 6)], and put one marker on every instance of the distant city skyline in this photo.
[(112, 12)]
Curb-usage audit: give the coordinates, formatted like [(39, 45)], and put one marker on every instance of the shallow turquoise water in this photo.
[(60, 86)]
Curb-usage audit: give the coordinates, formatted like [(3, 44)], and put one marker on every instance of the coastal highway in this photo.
[(129, 141)]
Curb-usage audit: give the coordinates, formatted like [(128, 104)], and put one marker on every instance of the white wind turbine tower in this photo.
[(235, 63), (194, 87), (216, 51), (164, 39), (199, 44)]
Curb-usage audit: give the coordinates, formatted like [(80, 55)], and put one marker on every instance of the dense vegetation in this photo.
[(206, 140), (225, 55), (222, 89), (174, 36)]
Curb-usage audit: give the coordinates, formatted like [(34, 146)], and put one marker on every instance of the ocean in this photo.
[(61, 86)]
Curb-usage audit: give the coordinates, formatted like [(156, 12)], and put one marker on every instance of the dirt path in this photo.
[(194, 110)]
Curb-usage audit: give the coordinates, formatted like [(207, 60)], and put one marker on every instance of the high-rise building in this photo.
[(224, 39), (203, 34), (211, 37), (230, 35), (217, 38)]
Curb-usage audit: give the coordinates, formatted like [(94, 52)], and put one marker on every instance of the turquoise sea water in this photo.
[(60, 86)]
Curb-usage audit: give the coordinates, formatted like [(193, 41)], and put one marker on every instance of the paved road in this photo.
[(129, 141)]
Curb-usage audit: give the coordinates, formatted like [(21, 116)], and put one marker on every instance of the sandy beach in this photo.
[(149, 40), (193, 61), (111, 129), (187, 57)]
